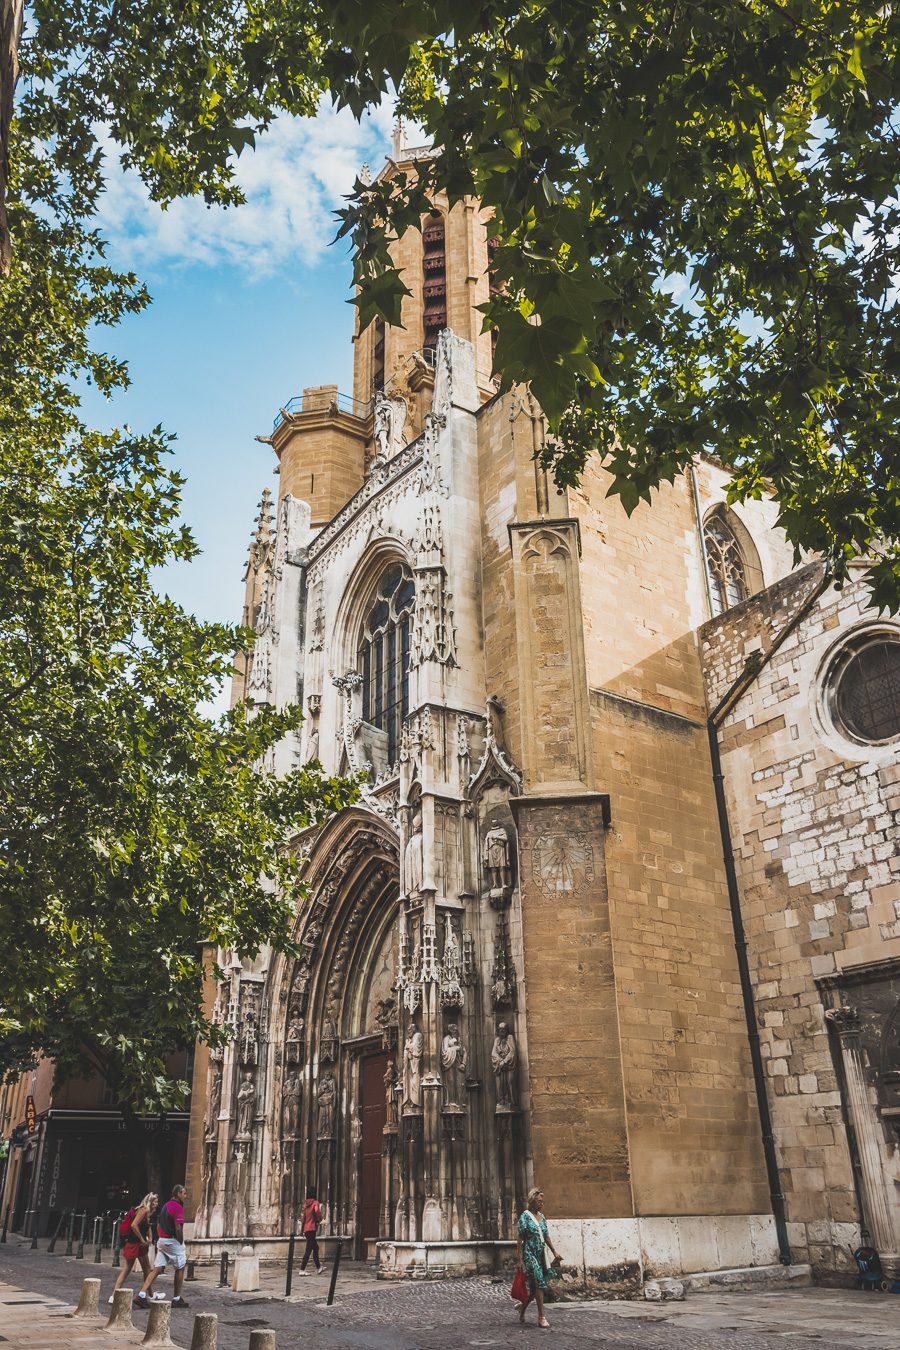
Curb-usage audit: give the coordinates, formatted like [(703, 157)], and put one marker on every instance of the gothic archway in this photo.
[(333, 1027)]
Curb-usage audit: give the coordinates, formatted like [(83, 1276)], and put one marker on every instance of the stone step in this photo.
[(747, 1277)]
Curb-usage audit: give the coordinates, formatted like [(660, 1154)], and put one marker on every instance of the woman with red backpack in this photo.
[(312, 1217), (134, 1229)]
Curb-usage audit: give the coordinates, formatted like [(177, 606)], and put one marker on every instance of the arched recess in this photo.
[(735, 571), (346, 935)]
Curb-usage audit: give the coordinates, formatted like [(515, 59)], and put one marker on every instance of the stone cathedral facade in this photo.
[(518, 958)]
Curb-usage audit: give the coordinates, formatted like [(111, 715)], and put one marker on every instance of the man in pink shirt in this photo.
[(169, 1248)]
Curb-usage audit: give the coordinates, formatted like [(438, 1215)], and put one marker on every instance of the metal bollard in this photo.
[(205, 1331), (191, 1270), (290, 1265), (51, 1245), (263, 1339), (70, 1230), (223, 1271), (89, 1303), (5, 1224), (334, 1271), (35, 1224), (82, 1234), (98, 1239), (116, 1240)]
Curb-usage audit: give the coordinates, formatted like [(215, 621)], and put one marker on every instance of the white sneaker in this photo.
[(158, 1298), (111, 1299)]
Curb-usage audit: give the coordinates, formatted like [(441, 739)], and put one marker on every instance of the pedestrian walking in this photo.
[(135, 1233), (532, 1241), (309, 1227), (169, 1248)]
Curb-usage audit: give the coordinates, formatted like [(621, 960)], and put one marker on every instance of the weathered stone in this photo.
[(89, 1302), (120, 1313)]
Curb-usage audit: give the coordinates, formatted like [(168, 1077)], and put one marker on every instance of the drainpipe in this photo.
[(754, 666)]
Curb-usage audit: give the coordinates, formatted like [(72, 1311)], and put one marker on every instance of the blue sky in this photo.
[(249, 305)]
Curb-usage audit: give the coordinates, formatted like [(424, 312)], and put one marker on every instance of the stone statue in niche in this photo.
[(390, 1097), (326, 1096), (293, 1041), (454, 1059), (504, 1058), (212, 1109), (328, 1044), (412, 1066), (389, 424), (412, 857), (497, 865), (312, 742), (246, 1099), (290, 1106)]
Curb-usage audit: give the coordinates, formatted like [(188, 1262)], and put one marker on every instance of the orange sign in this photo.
[(30, 1115)]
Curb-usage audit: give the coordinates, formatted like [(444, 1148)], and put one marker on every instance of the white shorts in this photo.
[(170, 1252)]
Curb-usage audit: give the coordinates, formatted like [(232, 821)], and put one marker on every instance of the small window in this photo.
[(727, 570), (384, 655), (865, 689)]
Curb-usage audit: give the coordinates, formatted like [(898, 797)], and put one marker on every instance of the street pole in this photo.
[(79, 1255), (51, 1245), (70, 1230), (334, 1271)]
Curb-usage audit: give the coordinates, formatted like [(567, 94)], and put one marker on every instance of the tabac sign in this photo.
[(30, 1115)]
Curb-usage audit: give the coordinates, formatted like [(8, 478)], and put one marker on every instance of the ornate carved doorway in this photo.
[(374, 1117)]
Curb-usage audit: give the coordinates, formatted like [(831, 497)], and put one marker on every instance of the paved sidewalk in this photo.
[(40, 1291)]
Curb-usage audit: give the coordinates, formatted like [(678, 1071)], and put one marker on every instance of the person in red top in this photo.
[(312, 1216), (137, 1243), (169, 1248)]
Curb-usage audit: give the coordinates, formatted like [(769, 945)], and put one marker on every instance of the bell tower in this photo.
[(446, 266)]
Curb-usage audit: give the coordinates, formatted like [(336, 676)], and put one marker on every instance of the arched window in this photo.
[(384, 655), (727, 568)]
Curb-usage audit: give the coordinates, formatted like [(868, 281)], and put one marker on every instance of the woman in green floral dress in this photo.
[(532, 1238)]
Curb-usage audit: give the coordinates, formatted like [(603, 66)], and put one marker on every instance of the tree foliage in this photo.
[(133, 829), (696, 203)]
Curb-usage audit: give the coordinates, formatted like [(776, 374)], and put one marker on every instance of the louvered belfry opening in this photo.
[(434, 266)]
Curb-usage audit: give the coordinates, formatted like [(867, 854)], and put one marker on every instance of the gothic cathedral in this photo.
[(602, 920)]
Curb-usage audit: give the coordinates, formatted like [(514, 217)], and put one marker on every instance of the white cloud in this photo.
[(293, 181)]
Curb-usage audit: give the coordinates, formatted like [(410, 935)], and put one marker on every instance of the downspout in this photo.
[(753, 667)]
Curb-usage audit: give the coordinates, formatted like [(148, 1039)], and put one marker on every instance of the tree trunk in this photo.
[(11, 16)]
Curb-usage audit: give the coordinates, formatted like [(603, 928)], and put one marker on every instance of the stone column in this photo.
[(877, 1215)]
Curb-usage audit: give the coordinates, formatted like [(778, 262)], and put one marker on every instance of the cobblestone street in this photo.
[(408, 1316)]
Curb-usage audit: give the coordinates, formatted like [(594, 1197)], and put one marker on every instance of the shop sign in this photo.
[(30, 1115)]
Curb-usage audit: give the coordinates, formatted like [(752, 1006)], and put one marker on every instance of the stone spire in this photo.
[(398, 139), (263, 534)]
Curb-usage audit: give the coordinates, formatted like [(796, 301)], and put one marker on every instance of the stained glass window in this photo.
[(384, 655), (727, 572), (866, 699)]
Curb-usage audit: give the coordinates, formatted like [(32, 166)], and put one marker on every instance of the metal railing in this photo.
[(323, 401)]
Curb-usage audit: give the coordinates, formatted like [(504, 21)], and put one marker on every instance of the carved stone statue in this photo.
[(412, 1066), (495, 859), (504, 1058), (412, 857), (326, 1096), (390, 416), (390, 1099), (246, 1098), (312, 744), (212, 1109), (293, 1041), (454, 1059), (290, 1106)]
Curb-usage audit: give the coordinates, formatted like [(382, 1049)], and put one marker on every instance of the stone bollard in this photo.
[(205, 1331), (158, 1324), (264, 1339), (89, 1303), (120, 1312), (246, 1272)]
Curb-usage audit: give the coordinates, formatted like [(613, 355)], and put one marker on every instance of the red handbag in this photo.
[(520, 1291)]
